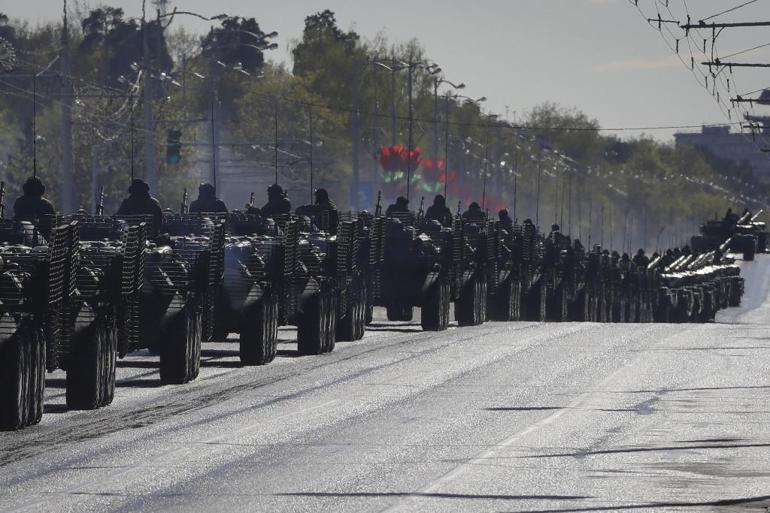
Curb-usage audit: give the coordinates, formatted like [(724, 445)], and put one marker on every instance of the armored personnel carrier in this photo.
[(103, 313), (35, 285)]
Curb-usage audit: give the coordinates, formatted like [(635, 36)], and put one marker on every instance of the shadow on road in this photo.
[(689, 447), (54, 408), (525, 408), (658, 505), (437, 496), (136, 364), (139, 383)]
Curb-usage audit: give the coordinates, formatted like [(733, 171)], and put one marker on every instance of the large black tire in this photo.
[(434, 315), (578, 308), (180, 352), (352, 326), (558, 305), (535, 302), (505, 303), (22, 378), (259, 333), (471, 306), (316, 325), (331, 322), (400, 312), (37, 376), (91, 365)]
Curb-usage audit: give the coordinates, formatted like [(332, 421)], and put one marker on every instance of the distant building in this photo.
[(737, 148)]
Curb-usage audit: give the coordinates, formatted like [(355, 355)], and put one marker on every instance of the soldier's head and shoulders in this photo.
[(323, 200), (32, 204), (505, 218), (207, 200), (278, 202), (139, 197), (474, 212)]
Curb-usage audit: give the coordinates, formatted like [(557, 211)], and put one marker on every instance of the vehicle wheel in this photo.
[(331, 322), (435, 310), (89, 367), (37, 376), (504, 302), (180, 352), (470, 308), (351, 327), (313, 326), (16, 378), (558, 305), (111, 357), (582, 307), (259, 333), (516, 294)]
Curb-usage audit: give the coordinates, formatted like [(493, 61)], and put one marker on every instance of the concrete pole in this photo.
[(68, 198), (150, 167)]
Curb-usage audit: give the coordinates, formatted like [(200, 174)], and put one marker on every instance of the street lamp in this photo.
[(437, 81), (392, 69), (449, 99)]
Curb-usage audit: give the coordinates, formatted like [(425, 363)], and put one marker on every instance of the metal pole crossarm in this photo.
[(701, 25), (717, 62)]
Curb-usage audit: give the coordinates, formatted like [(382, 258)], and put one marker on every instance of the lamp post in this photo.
[(436, 83), (393, 68), (475, 101)]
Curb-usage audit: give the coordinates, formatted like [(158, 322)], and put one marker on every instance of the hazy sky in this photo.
[(597, 55)]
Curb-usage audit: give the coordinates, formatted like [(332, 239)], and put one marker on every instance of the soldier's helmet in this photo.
[(402, 201), (33, 187), (275, 191), (321, 195), (439, 201), (207, 190), (554, 227), (474, 206), (138, 186)]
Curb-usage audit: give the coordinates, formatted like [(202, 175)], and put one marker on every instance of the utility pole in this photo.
[(68, 199), (393, 129), (435, 117), (486, 171), (375, 131), (355, 135), (539, 179), (150, 170), (214, 107), (410, 81), (312, 143), (446, 144)]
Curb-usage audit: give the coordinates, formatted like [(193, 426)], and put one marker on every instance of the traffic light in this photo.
[(173, 146)]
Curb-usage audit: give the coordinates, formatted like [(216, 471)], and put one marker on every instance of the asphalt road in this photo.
[(499, 418)]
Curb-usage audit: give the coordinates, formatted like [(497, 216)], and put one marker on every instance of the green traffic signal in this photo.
[(173, 146)]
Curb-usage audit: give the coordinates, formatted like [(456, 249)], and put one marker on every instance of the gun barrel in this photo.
[(755, 216), (652, 265)]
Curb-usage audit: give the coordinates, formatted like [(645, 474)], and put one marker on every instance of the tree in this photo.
[(239, 42), (120, 43), (329, 59)]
